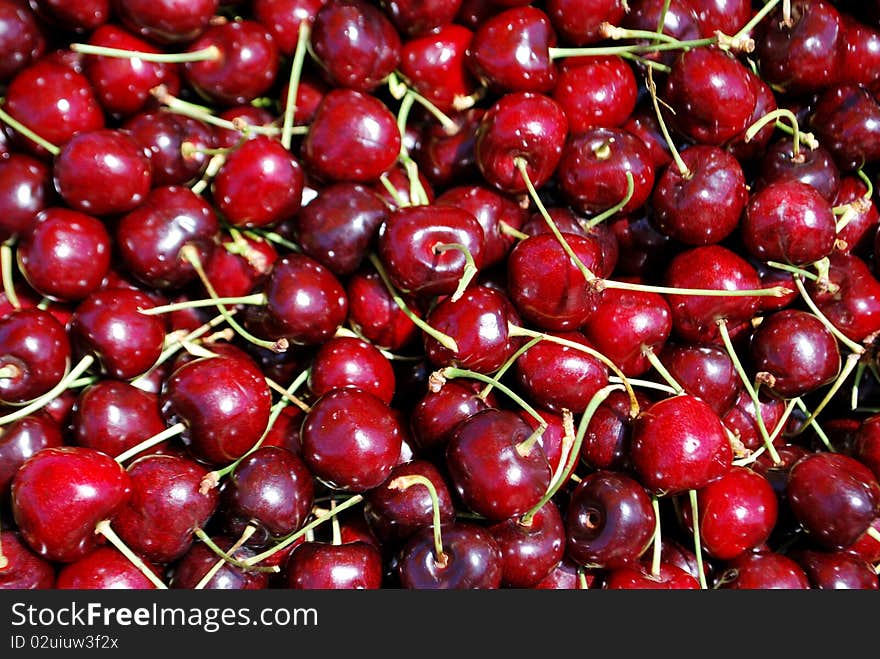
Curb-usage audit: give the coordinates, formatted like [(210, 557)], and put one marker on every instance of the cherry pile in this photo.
[(439, 294)]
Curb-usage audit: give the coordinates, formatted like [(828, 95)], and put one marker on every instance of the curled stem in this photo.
[(403, 483), (470, 267)]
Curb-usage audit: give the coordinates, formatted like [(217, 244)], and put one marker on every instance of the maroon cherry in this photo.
[(679, 19), (705, 371), (421, 17), (679, 444), (23, 40), (240, 264), (21, 439), (596, 91), (66, 254), (845, 119), (73, 16), (763, 571), (166, 21), (606, 442), (447, 157), (192, 568), (224, 403), (578, 22), (609, 520), (34, 354), (836, 570), (103, 568), (728, 16), (815, 167), (324, 566), (373, 313), (637, 577), (24, 570), (351, 440), (25, 189), (437, 413), (283, 17), (60, 494), (862, 220), (530, 551), (162, 135), (866, 444), (344, 361), (851, 300), (435, 65)]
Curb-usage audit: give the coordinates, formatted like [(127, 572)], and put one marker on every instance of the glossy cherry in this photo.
[(637, 577), (837, 570), (23, 40), (578, 22), (437, 413), (25, 190), (21, 439), (166, 21), (24, 570), (815, 167), (35, 350), (190, 570), (374, 314), (324, 566), (104, 568), (530, 551), (763, 571), (344, 361), (435, 64)]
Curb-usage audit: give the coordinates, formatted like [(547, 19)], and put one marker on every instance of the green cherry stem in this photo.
[(845, 340), (203, 114), (255, 299), (403, 483), (852, 360), (796, 135), (664, 373), (676, 156), (698, 545), (158, 438), (746, 29), (470, 267), (296, 67), (657, 546), (6, 266), (227, 556), (204, 55), (816, 427), (20, 128), (49, 396), (613, 210), (249, 530), (497, 375), (103, 528)]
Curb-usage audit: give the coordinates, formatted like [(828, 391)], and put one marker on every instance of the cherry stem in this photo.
[(9, 371), (399, 201), (522, 165), (773, 291), (516, 330), (320, 519), (403, 483), (860, 374), (796, 135), (657, 548), (470, 267), (657, 66), (276, 238), (6, 263), (786, 13), (793, 269), (249, 530), (156, 439), (202, 55), (646, 384), (227, 557), (616, 208), (191, 254), (417, 193), (789, 408), (851, 362), (203, 114), (816, 427), (558, 53), (616, 33), (676, 156), (451, 373), (52, 394), (574, 454), (698, 546), (400, 91), (258, 299), (868, 184), (652, 357), (288, 396), (845, 340), (296, 67), (746, 29), (508, 230), (582, 579), (103, 528), (19, 127), (443, 339), (497, 375), (215, 164), (874, 533), (750, 389), (661, 22)]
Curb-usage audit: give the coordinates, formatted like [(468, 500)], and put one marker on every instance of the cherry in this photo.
[(606, 442), (679, 444), (75, 107), (355, 44), (34, 354), (344, 361), (495, 464), (373, 313), (520, 125), (679, 19), (867, 546), (190, 570), (240, 264), (23, 40), (704, 371), (762, 571), (61, 493), (166, 21), (73, 16), (471, 559), (860, 47), (834, 496), (348, 566), (283, 17), (113, 416), (566, 575), (845, 119), (702, 205), (593, 168), (259, 185), (609, 520), (351, 440), (103, 568), (510, 51), (837, 570), (851, 300), (866, 444), (861, 221), (24, 570), (596, 91), (421, 17), (65, 255), (438, 412), (21, 439), (151, 237), (408, 189), (272, 489), (644, 124), (579, 22), (339, 226), (353, 137), (530, 551), (632, 577), (754, 148), (815, 167), (643, 251), (448, 158), (224, 403), (727, 16), (25, 190), (435, 66)]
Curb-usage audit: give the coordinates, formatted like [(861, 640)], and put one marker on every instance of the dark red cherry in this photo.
[(74, 108), (728, 16), (224, 403), (19, 440), (189, 571), (34, 353), (643, 251), (851, 300), (815, 167), (70, 15), (609, 520), (546, 287), (710, 95), (578, 22), (638, 577), (679, 19), (860, 226), (344, 361), (260, 184), (596, 91), (679, 444), (479, 323), (447, 158), (324, 566), (762, 571), (866, 444), (420, 17), (25, 189), (103, 568), (703, 206), (435, 65), (338, 227), (796, 351), (353, 137), (642, 122), (162, 134), (704, 371), (24, 570), (166, 21), (510, 51), (374, 315), (471, 559), (835, 497), (803, 56), (530, 551), (606, 442), (436, 415), (520, 125), (566, 575), (837, 570), (765, 102), (592, 171), (494, 466), (65, 255), (306, 302), (61, 493), (270, 488), (113, 416), (413, 245), (737, 513), (244, 67), (240, 264), (23, 40), (355, 44), (351, 440), (846, 119), (283, 17), (150, 238), (625, 324), (861, 48)]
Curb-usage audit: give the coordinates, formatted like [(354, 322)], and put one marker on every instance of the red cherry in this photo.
[(35, 348), (104, 568), (24, 570), (351, 362)]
